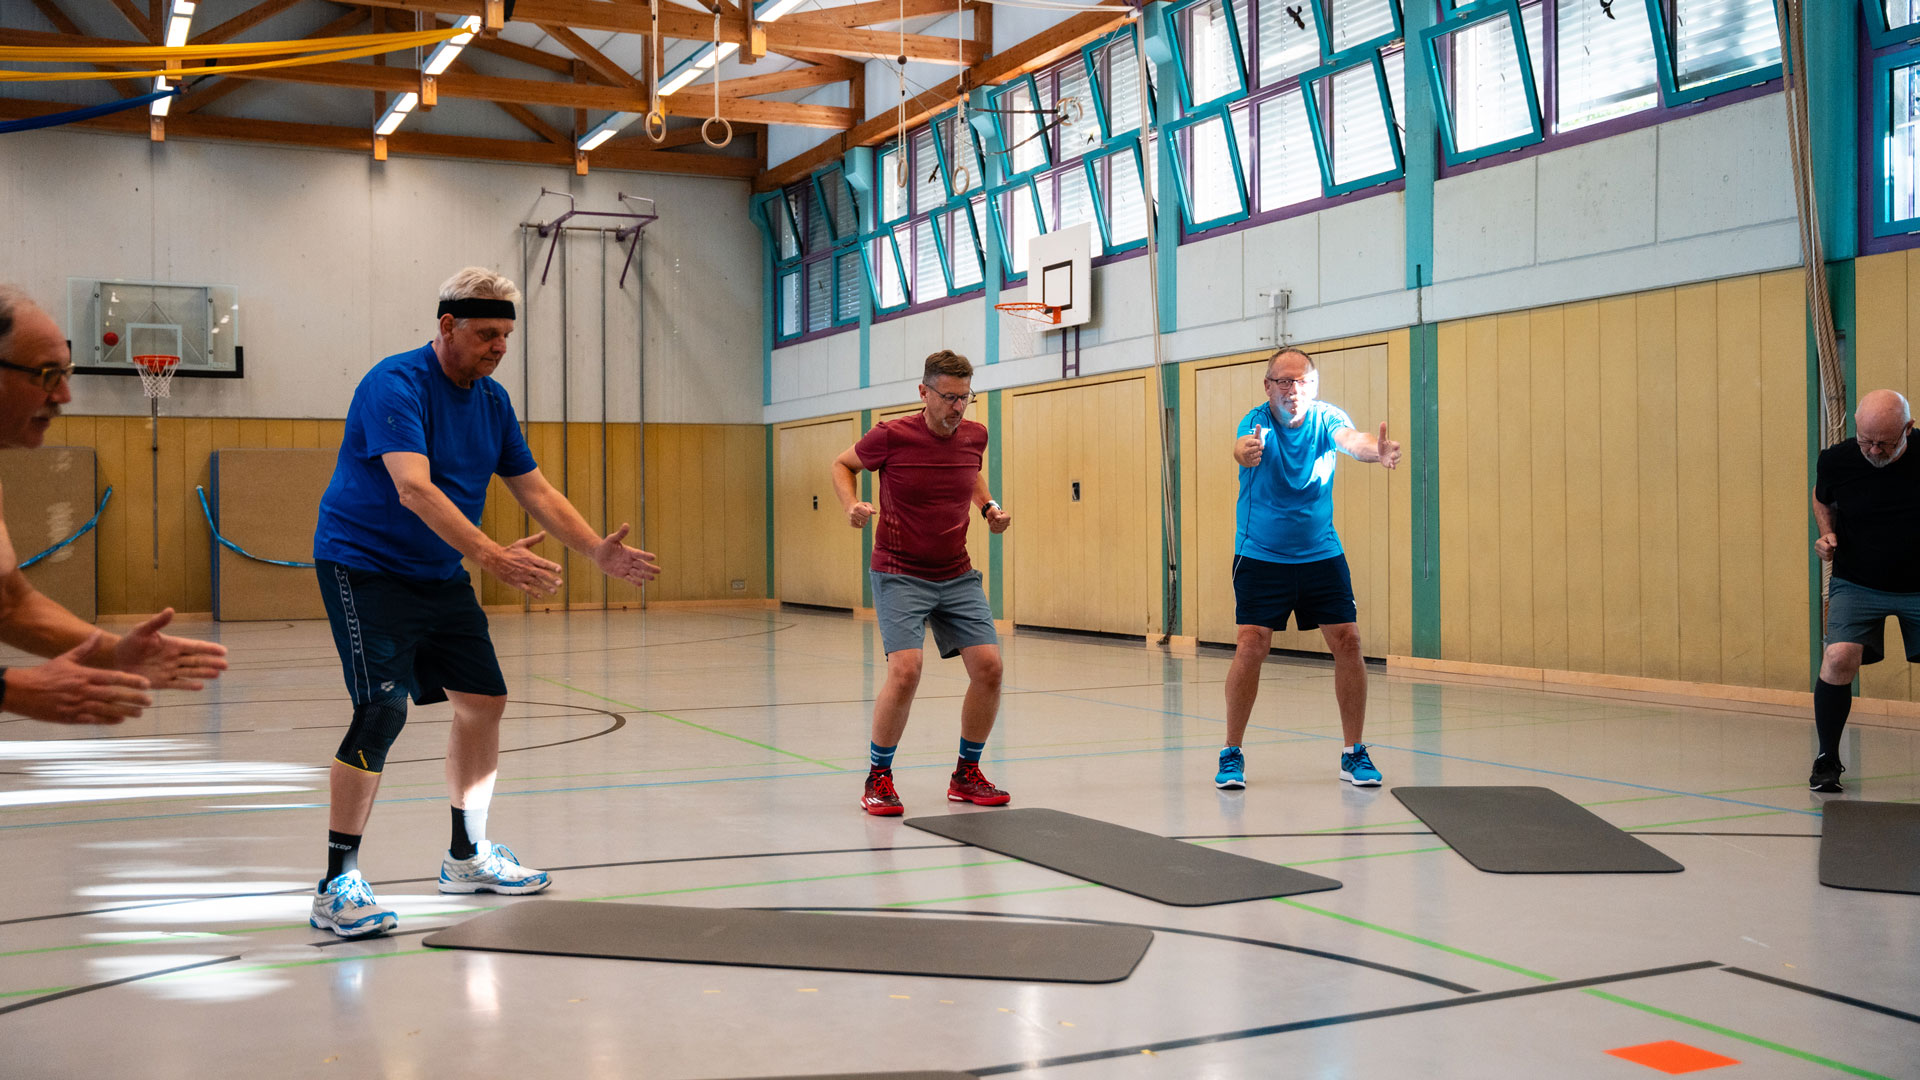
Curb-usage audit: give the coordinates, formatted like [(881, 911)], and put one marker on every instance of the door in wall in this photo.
[(818, 554)]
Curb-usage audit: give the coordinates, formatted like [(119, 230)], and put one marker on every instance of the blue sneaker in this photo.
[(1357, 768), (1233, 769), (495, 869), (347, 908)]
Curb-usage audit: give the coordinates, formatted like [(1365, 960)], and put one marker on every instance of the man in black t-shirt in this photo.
[(1866, 501)]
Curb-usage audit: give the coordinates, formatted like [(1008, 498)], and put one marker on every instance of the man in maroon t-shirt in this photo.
[(930, 480)]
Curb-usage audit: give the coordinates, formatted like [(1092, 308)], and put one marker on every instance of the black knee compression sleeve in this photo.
[(375, 725)]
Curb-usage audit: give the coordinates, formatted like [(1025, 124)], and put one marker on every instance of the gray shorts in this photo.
[(1858, 614), (957, 608)]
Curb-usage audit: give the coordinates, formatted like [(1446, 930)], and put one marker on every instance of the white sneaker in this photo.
[(492, 869), (348, 908)]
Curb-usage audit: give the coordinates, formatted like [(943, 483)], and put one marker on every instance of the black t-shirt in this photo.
[(1876, 515)]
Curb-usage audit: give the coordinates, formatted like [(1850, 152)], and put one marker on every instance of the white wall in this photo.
[(1695, 199), (338, 257)]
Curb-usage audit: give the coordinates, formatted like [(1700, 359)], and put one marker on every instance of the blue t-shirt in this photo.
[(407, 403), (1285, 511)]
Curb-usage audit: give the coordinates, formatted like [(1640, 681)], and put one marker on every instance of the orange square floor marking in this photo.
[(1672, 1058)]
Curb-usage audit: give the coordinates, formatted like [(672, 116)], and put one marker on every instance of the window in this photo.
[(1482, 61), (1119, 195), (1114, 70), (1892, 22), (1349, 27), (1708, 47), (1350, 114), (1206, 39), (1896, 120), (1287, 172), (1017, 120), (1212, 184)]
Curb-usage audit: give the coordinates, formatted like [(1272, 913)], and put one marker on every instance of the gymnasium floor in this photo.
[(714, 757)]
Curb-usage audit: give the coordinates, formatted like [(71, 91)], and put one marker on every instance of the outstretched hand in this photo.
[(617, 560), (64, 690), (167, 662), (518, 566), (1249, 448), (1388, 449)]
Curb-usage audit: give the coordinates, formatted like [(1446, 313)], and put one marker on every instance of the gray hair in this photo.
[(478, 283), (13, 301)]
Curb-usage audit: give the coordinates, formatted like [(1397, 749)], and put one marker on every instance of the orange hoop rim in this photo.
[(156, 362), (1031, 310)]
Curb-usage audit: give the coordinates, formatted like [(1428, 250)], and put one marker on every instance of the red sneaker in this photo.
[(970, 785), (880, 798)]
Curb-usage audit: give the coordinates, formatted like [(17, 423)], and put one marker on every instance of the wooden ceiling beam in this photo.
[(148, 28), (676, 22), (791, 79), (1030, 55), (877, 12), (593, 57), (208, 92), (421, 144)]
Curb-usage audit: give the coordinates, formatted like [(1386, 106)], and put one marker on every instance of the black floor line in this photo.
[(74, 990), (1389, 969), (416, 880), (619, 722), (1696, 832), (1330, 1021), (1271, 835), (1884, 1010)]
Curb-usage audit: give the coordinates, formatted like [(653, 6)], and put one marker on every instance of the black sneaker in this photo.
[(1826, 774)]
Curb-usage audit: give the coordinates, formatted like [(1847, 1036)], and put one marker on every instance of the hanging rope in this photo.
[(716, 118), (82, 531), (1833, 384), (903, 169), (381, 43), (962, 176), (236, 548), (74, 116), (656, 122)]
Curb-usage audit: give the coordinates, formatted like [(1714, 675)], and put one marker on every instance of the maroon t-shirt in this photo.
[(926, 495)]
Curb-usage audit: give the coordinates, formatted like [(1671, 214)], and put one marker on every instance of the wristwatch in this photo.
[(988, 505)]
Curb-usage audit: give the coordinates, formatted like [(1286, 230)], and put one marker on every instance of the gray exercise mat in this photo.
[(873, 1076), (1142, 863), (880, 944), (1870, 845), (1530, 830)]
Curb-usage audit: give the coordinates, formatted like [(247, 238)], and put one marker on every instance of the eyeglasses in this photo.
[(953, 400), (1288, 384), (46, 378), (1881, 445)]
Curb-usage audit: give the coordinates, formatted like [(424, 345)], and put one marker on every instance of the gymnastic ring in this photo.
[(709, 122), (656, 124), (1073, 105), (962, 179)]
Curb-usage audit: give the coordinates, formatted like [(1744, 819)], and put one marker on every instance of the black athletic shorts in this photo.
[(1316, 594), (397, 633)]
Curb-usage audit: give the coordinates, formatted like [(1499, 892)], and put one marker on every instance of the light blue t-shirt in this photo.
[(407, 403), (1285, 510)]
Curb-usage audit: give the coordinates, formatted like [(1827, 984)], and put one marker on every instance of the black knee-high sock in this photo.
[(343, 855), (1831, 704)]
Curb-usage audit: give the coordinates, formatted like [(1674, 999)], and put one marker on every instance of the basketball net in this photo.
[(156, 374), (1026, 320)]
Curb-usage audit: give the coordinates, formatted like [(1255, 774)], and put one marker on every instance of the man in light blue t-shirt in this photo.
[(1287, 558)]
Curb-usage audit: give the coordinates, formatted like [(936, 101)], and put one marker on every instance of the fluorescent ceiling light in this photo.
[(397, 113), (160, 106), (447, 51), (679, 81), (179, 23), (687, 72)]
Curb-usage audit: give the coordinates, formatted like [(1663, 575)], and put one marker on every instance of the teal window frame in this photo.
[(1323, 26), (1456, 21), (1088, 56), (1310, 95), (1884, 223), (1671, 92), (835, 316), (960, 206), (881, 179), (1180, 67), (796, 272), (1171, 133), (887, 235), (779, 198), (820, 180), (1879, 34), (1103, 198), (1002, 230), (996, 99)]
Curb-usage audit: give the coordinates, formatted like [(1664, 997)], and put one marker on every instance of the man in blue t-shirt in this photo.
[(426, 433), (1286, 556)]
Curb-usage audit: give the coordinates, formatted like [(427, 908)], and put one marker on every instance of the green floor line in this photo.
[(1417, 940), (33, 993), (688, 723), (1374, 855), (1756, 1040), (1375, 825)]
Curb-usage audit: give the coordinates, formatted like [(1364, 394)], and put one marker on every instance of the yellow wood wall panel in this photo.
[(1400, 573), (1546, 470), (1659, 452), (1743, 625), (818, 554), (136, 442), (1619, 491), (1514, 427), (1784, 480), (1586, 546), (1697, 482), (1484, 556)]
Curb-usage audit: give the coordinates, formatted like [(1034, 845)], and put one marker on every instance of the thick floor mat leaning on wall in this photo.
[(1870, 845), (1530, 830), (880, 944), (1142, 863)]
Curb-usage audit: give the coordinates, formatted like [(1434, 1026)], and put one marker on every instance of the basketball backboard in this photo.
[(1060, 273), (113, 321)]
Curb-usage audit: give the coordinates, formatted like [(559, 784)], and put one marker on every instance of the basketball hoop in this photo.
[(1029, 319), (156, 374)]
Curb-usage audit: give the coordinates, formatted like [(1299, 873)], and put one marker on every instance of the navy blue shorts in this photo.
[(1316, 594), (403, 634)]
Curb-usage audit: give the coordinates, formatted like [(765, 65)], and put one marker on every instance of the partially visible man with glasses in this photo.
[(92, 677), (1866, 503), (930, 480), (1288, 560)]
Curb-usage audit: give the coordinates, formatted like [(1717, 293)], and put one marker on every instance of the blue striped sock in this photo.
[(880, 757), (970, 750)]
